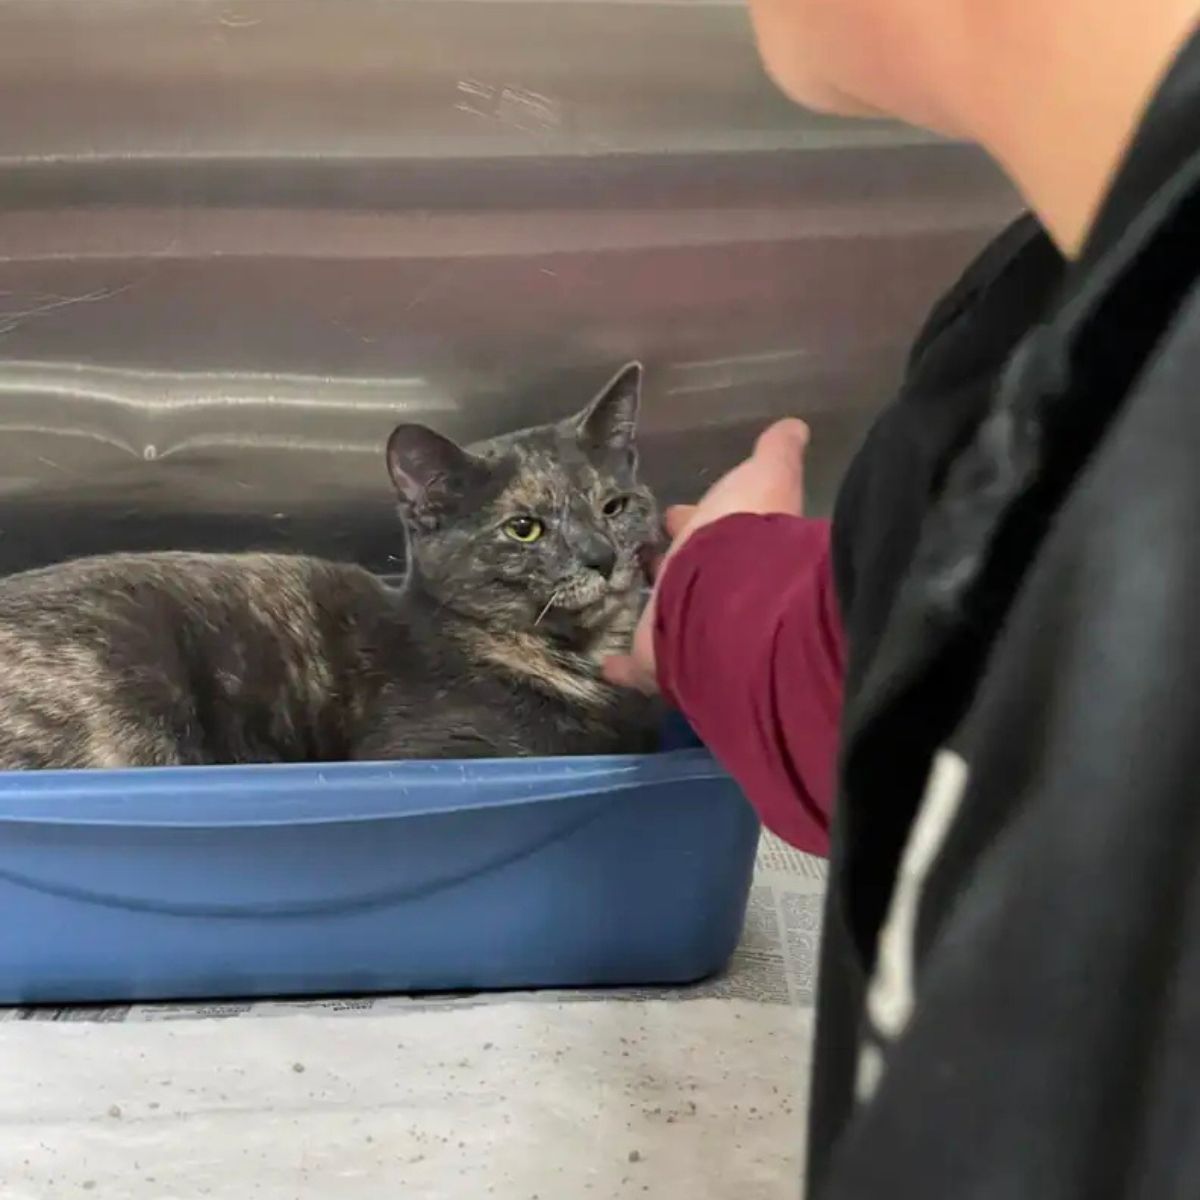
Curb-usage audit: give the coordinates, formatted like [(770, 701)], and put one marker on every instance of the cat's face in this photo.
[(540, 528)]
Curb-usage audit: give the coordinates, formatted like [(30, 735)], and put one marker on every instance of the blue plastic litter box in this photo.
[(350, 877)]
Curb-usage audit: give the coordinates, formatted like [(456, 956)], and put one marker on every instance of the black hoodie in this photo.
[(1010, 989)]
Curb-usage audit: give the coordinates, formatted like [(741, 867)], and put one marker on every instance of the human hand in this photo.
[(771, 480)]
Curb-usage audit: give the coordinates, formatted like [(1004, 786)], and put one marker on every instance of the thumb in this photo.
[(623, 670), (777, 466), (677, 518), (784, 443)]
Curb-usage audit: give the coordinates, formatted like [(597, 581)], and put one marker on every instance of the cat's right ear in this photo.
[(427, 469), (607, 428)]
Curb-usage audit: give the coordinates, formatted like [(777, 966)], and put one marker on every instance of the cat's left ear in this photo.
[(608, 426)]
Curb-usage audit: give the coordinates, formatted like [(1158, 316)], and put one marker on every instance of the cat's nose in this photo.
[(599, 555)]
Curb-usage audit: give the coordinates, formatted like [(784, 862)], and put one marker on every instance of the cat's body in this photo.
[(488, 649), (183, 659)]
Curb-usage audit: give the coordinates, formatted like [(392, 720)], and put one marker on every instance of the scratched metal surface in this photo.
[(240, 239)]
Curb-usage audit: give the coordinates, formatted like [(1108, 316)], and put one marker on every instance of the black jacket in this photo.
[(1010, 989)]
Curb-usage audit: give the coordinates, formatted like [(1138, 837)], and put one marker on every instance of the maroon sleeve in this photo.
[(749, 647)]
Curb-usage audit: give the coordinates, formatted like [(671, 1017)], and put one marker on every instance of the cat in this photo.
[(523, 573)]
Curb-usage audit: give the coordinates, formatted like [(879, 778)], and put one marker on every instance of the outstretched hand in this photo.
[(771, 480)]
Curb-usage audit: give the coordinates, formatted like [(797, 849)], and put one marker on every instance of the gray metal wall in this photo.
[(239, 240)]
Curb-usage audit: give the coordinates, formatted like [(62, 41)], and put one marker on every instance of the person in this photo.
[(1010, 981)]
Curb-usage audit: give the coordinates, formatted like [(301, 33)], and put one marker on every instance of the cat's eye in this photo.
[(524, 529), (616, 506)]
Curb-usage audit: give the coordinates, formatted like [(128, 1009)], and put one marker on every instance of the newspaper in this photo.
[(775, 963)]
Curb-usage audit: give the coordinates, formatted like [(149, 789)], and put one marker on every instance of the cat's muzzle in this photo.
[(590, 589)]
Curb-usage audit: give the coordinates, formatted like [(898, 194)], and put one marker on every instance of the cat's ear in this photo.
[(608, 426), (428, 469)]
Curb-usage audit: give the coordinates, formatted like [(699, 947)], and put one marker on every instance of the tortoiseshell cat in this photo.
[(523, 575)]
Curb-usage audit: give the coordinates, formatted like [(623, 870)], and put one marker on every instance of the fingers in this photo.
[(677, 518), (675, 521), (770, 481), (785, 439), (625, 671), (777, 465)]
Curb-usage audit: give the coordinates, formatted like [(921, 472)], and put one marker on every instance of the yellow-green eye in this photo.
[(524, 529), (616, 506)]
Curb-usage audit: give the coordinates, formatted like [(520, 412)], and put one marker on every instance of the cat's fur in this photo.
[(491, 647)]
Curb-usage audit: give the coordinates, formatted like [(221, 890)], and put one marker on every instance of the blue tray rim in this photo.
[(276, 794)]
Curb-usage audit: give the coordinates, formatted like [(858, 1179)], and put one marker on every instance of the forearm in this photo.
[(748, 645)]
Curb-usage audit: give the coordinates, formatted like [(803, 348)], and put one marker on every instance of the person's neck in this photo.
[(1057, 101)]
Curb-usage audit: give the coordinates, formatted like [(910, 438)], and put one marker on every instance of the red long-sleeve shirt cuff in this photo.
[(749, 647)]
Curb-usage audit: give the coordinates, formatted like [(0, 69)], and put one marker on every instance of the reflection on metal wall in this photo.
[(240, 239)]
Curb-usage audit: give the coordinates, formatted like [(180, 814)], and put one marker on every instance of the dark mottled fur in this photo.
[(490, 648)]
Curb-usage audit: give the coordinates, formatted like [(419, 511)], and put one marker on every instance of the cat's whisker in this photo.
[(549, 605)]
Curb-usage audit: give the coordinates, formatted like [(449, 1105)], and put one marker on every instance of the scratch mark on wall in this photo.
[(233, 20), (12, 319), (506, 104), (362, 337), (434, 284), (477, 98), (55, 466)]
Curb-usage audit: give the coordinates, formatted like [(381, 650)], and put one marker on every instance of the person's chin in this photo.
[(792, 64), (818, 96)]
